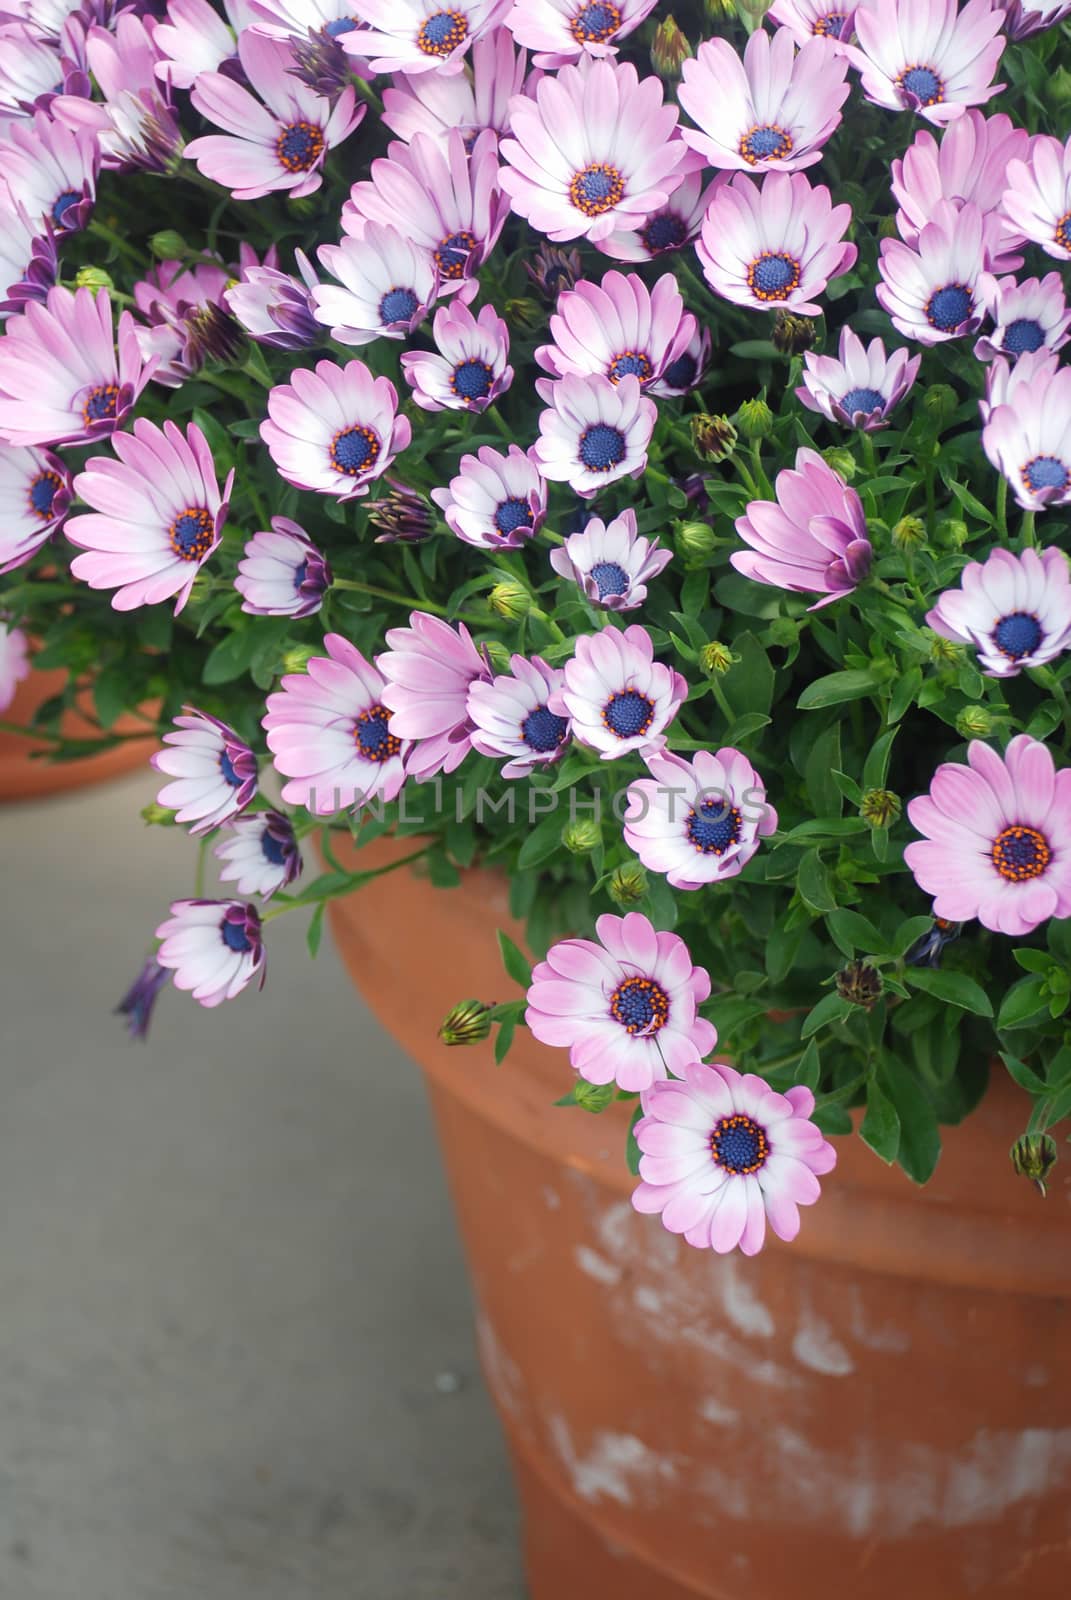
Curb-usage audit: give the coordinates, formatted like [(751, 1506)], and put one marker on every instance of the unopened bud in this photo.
[(755, 419), (859, 983), (880, 807), (696, 541), (792, 335), (909, 533), (157, 816), (669, 49), (468, 1023), (783, 631), (168, 245), (524, 313), (297, 658), (887, 228), (715, 658), (581, 836), (593, 1096), (946, 652), (939, 402), (1034, 1156), (510, 600), (94, 278), (713, 438), (628, 884), (841, 460), (751, 12), (953, 533), (499, 655), (302, 205), (974, 722)]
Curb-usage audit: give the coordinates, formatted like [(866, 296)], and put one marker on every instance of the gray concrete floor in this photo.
[(235, 1351)]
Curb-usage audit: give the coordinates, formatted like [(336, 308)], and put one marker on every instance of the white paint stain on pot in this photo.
[(596, 1266), (551, 1198), (741, 1304), (815, 1346), (618, 1466), (713, 1410), (504, 1377)]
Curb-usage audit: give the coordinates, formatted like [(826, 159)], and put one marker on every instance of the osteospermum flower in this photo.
[(429, 668), (385, 286), (51, 171), (997, 835), (186, 318), (1023, 18), (814, 19), (134, 121), (214, 947), (938, 289), (862, 386), (626, 1007), (31, 71), (675, 223), (468, 369), (1006, 379), (282, 574), (511, 717), (617, 327), (215, 771), (1014, 610), (1037, 200), (928, 55), (775, 108), (593, 431), (619, 697), (196, 39), (278, 141), (1030, 441), (260, 851), (328, 733), (561, 30), (157, 515), (35, 494), (773, 246), (969, 166), (812, 539), (61, 381), (611, 562), (698, 821), (334, 430), (1027, 316), (14, 662), (274, 308), (722, 1154), (29, 261), (140, 999), (420, 35), (591, 152), (434, 102), (496, 501)]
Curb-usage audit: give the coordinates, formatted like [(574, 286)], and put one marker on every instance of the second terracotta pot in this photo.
[(26, 775)]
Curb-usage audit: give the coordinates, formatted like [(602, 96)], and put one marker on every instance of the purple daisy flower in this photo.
[(928, 56), (140, 999), (61, 381), (862, 386), (283, 574), (511, 717), (1005, 379), (968, 167), (260, 852), (626, 1007), (1037, 200), (617, 327), (774, 109), (675, 224), (14, 662), (432, 103), (1024, 18), (429, 668), (274, 308), (562, 30), (997, 834), (814, 19), (157, 515), (812, 539), (29, 260), (35, 495), (417, 36), (213, 947), (592, 152), (1014, 610), (51, 171), (1030, 441), (196, 39), (594, 431), (683, 373), (610, 562), (496, 502), (723, 1154), (469, 368), (1027, 316), (134, 122), (329, 734), (774, 245), (619, 697), (215, 771), (387, 285), (296, 20), (450, 200), (335, 430), (698, 821), (31, 71), (186, 318), (938, 289)]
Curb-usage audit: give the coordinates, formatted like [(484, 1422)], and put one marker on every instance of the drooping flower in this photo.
[(134, 122), (187, 321), (617, 327), (402, 515), (29, 261), (1037, 200), (773, 109), (214, 947), (1030, 441), (35, 494), (1014, 610), (511, 717), (434, 102), (140, 999), (862, 386), (157, 515), (282, 574), (1005, 379), (14, 662), (928, 56), (328, 733), (297, 21), (938, 289), (1024, 18), (274, 308), (610, 562), (813, 19), (775, 244), (260, 851), (196, 39), (562, 30), (31, 71), (968, 166), (385, 286), (626, 1007), (675, 223), (215, 771), (996, 838), (468, 369), (723, 1154), (594, 431), (593, 151), (698, 821), (1027, 316), (50, 171), (496, 501), (429, 668), (812, 539), (335, 430), (61, 381), (418, 36), (684, 372), (619, 697)]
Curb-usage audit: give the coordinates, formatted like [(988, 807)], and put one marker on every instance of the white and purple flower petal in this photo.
[(213, 947), (496, 501), (282, 574), (511, 717), (619, 697), (214, 771), (610, 562)]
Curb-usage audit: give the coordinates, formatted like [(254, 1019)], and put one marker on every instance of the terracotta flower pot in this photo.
[(884, 1405), (26, 775)]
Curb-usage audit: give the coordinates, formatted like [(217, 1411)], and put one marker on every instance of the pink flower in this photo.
[(674, 224), (997, 840), (774, 245), (14, 662), (593, 431), (968, 167), (215, 771), (1006, 380), (260, 851), (214, 948), (812, 539), (414, 36), (1024, 18), (1037, 200), (619, 697), (133, 122), (274, 308), (1014, 610), (432, 103), (812, 19), (610, 562), (928, 56), (1027, 316), (335, 430), (469, 368), (428, 668), (35, 494), (617, 327), (862, 386), (561, 30), (186, 318), (496, 502), (283, 573), (511, 717), (51, 172), (723, 1153), (196, 39), (698, 821), (938, 290), (385, 287), (1030, 441), (29, 261)]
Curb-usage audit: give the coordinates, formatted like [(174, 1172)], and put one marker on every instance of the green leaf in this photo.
[(542, 842), (632, 1149), (904, 694), (812, 884), (920, 1140), (314, 932), (880, 1128), (819, 773), (836, 688), (1023, 1002), (851, 929), (955, 987), (503, 1040), (514, 961), (831, 1008), (848, 787), (909, 933), (876, 766), (754, 350), (695, 592), (823, 828), (749, 682), (809, 1070), (832, 1119), (1033, 960), (110, 694), (1023, 1075)]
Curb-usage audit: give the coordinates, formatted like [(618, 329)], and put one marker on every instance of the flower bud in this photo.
[(887, 228), (302, 206), (859, 983), (946, 652), (524, 314), (628, 884), (841, 460), (297, 658), (581, 836), (669, 49), (1033, 1156), (939, 402), (696, 541), (157, 816), (751, 12), (94, 278), (168, 245), (953, 533), (755, 419), (715, 658), (468, 1023), (499, 655), (909, 533), (719, 9), (593, 1096), (553, 270), (403, 516), (713, 438), (510, 600), (783, 631), (880, 807), (792, 335), (974, 722)]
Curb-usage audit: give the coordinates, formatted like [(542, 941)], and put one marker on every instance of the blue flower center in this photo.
[(666, 231), (354, 450), (628, 714), (773, 275), (923, 83), (640, 1005), (512, 514), (739, 1144), (340, 25), (442, 33), (595, 23), (680, 374), (43, 491), (1017, 635), (398, 305), (597, 188), (191, 533), (300, 574), (472, 380), (602, 447), (373, 738), (1020, 854), (454, 252), (63, 203), (541, 730), (609, 578), (235, 936), (299, 146), (830, 26), (273, 849), (864, 400), (713, 826), (765, 144), (226, 767), (1045, 472), (100, 404), (1025, 333), (632, 362), (949, 307)]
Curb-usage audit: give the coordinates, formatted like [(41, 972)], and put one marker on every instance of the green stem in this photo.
[(407, 600), (1002, 507), (302, 902), (101, 230), (1029, 536), (870, 458)]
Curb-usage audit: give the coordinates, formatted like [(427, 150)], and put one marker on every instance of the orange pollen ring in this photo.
[(385, 745), (782, 149), (1020, 853), (299, 146), (595, 22), (734, 1130), (435, 41), (598, 188)]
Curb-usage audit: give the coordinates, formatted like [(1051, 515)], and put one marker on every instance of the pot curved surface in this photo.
[(24, 775)]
